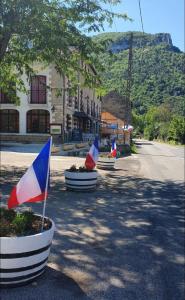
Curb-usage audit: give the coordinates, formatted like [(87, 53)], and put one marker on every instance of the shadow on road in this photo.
[(123, 241), (42, 289), (143, 143)]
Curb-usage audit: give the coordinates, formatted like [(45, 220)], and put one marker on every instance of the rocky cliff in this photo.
[(119, 41)]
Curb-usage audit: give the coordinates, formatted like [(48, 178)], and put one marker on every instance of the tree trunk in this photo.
[(4, 45)]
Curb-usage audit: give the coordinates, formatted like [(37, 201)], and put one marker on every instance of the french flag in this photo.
[(113, 148), (92, 156), (32, 186)]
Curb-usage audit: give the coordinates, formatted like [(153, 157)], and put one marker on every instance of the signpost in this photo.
[(56, 133), (55, 129)]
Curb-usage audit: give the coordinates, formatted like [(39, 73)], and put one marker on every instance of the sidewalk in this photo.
[(35, 148)]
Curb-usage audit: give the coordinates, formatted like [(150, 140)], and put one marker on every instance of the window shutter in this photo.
[(38, 89), (42, 89)]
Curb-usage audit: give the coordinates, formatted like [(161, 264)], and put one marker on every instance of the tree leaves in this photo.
[(49, 31)]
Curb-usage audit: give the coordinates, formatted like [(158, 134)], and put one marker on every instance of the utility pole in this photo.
[(129, 82)]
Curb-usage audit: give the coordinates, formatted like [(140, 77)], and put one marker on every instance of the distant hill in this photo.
[(119, 41), (158, 70)]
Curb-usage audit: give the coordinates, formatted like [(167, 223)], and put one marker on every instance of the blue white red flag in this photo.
[(92, 156), (113, 148), (32, 186)]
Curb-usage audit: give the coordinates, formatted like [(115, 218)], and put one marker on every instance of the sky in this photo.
[(159, 16)]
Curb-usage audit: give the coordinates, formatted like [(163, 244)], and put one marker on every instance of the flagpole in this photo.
[(47, 179)]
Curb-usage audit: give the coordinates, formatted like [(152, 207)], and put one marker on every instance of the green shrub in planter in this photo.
[(81, 169), (15, 224), (106, 161), (24, 248), (80, 179)]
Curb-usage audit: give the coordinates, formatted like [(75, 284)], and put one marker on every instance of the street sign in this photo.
[(55, 129)]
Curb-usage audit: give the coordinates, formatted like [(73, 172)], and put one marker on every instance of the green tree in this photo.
[(150, 132), (51, 31), (157, 121), (138, 124), (177, 130)]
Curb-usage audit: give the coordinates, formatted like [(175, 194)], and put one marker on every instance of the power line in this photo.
[(140, 12), (142, 36)]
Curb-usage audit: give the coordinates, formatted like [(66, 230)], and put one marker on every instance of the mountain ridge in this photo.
[(119, 41), (157, 72)]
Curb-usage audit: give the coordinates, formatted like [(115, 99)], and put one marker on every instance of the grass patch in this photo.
[(133, 148)]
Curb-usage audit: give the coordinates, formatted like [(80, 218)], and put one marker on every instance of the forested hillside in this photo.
[(157, 71)]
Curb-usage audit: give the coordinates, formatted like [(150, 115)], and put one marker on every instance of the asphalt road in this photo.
[(161, 161), (124, 241)]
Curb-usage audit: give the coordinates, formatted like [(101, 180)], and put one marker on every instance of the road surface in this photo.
[(124, 241), (161, 161)]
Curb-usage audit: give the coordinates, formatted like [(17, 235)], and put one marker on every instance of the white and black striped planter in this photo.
[(106, 163), (80, 181), (24, 258)]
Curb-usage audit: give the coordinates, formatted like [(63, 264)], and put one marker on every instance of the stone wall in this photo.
[(24, 138), (116, 105)]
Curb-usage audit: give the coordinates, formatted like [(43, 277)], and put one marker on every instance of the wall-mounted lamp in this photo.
[(53, 109)]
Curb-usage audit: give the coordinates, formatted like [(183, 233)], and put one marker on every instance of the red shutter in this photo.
[(34, 88), (42, 89), (38, 89)]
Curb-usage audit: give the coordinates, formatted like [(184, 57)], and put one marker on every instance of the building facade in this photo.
[(48, 102), (114, 127)]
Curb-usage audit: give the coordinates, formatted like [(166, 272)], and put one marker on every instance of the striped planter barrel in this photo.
[(24, 258), (106, 163), (80, 181)]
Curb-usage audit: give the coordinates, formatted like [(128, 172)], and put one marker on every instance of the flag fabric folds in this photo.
[(32, 186), (130, 128), (113, 148), (92, 156)]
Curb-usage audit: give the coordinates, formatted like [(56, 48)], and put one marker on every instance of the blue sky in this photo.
[(158, 16)]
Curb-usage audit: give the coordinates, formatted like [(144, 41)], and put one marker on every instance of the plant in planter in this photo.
[(80, 179), (84, 178), (106, 161), (25, 238), (24, 249)]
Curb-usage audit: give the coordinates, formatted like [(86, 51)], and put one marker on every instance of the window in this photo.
[(76, 102), (68, 122), (81, 101), (4, 98), (38, 121), (9, 121), (38, 89), (91, 108), (70, 101), (97, 111), (88, 106)]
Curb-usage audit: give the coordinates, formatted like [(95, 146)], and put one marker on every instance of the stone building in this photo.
[(114, 127), (48, 104)]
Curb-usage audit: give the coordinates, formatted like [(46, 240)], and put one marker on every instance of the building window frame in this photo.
[(6, 98), (38, 89), (11, 121), (37, 121)]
